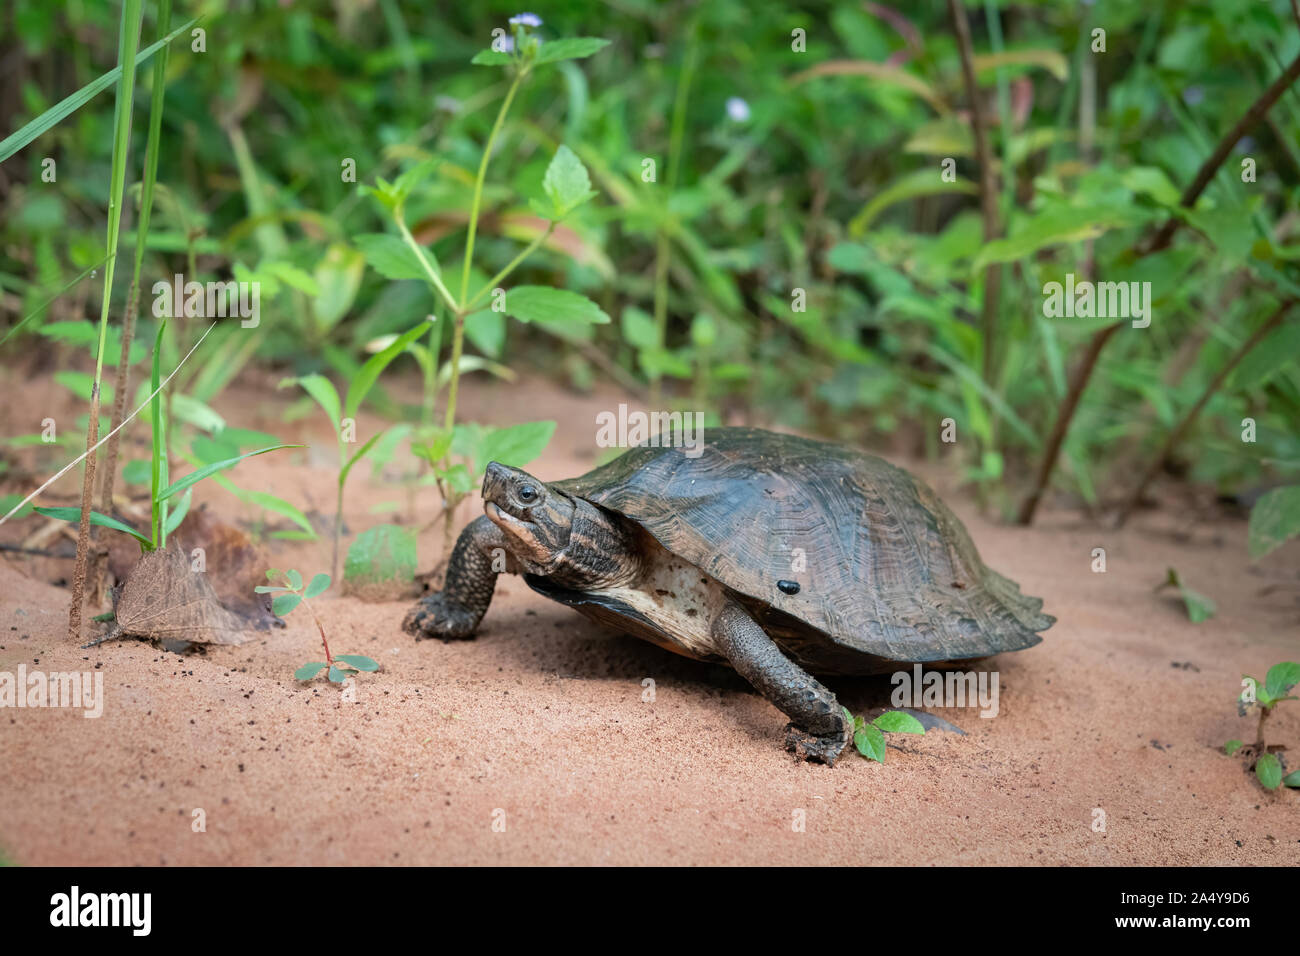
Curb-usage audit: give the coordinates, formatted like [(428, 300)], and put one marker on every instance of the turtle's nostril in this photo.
[(493, 477)]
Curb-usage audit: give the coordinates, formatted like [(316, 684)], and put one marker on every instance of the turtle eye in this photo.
[(527, 494)]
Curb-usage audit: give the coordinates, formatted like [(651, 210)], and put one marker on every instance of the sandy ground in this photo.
[(533, 743)]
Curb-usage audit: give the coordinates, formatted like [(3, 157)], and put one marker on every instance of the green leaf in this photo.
[(459, 479), (282, 604), (492, 58), (317, 586), (516, 445), (570, 48), (391, 257), (1292, 779), (1232, 746), (69, 105), (486, 328), (566, 182), (897, 722), (922, 182), (174, 518), (1050, 60), (1274, 519), (535, 303), (270, 502), (365, 379), (137, 471), (870, 743), (360, 453), (321, 389), (338, 277), (104, 521), (195, 477), (380, 555), (337, 674), (293, 277), (295, 579), (639, 329), (359, 662), (1050, 228), (1281, 678), (1199, 607), (1269, 771), (308, 671)]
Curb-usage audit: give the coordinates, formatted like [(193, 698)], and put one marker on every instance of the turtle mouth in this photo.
[(502, 518)]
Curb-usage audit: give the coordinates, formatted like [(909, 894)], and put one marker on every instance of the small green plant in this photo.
[(163, 519), (1277, 686), (342, 416), (869, 737), (287, 597), (1199, 607), (566, 186)]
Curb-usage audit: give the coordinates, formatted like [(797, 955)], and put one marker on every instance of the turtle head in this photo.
[(536, 520)]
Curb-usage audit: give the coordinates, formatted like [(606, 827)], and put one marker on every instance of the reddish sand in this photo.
[(540, 725)]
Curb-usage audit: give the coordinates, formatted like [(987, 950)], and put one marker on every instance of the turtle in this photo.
[(779, 555)]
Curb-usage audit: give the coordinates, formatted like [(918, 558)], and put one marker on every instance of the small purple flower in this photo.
[(526, 20), (1193, 95), (738, 109), (507, 44)]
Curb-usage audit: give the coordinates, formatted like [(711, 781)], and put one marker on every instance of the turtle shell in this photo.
[(850, 563)]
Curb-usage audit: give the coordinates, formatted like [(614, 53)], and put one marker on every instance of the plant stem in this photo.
[(1176, 435), (1259, 732), (988, 184), (434, 278), (1212, 163), (663, 248), (1161, 240), (497, 279), (324, 641), (128, 42), (338, 521), (478, 184), (141, 233)]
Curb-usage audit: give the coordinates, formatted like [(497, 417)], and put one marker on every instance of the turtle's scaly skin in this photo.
[(886, 574), (778, 555)]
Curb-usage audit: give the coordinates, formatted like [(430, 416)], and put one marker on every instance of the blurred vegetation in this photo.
[(796, 257)]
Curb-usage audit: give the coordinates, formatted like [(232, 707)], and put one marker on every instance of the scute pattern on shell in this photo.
[(890, 571)]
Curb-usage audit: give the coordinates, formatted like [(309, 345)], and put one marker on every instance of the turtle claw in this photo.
[(824, 749), (437, 616)]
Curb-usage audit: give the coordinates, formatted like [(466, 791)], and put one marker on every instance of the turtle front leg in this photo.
[(817, 728), (455, 611)]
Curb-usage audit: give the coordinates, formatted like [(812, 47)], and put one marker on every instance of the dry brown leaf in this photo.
[(164, 600)]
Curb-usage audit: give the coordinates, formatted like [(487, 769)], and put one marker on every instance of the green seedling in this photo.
[(1199, 607), (342, 416), (287, 597), (1267, 764), (869, 737), (566, 186)]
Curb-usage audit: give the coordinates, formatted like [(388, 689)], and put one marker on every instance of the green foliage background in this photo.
[(830, 184)]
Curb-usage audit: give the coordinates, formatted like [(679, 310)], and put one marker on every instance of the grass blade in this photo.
[(128, 42), (195, 477), (66, 107)]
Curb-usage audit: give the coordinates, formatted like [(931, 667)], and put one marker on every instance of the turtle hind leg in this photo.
[(455, 611), (817, 728)]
